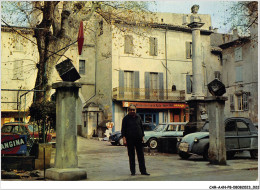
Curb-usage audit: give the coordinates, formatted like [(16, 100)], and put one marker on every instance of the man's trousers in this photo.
[(132, 145)]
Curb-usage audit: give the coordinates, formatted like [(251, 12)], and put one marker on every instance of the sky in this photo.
[(219, 10)]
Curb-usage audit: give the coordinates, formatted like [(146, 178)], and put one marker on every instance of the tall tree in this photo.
[(243, 15), (56, 25)]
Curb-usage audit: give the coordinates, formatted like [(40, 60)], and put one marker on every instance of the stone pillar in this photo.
[(197, 71), (217, 149), (66, 159)]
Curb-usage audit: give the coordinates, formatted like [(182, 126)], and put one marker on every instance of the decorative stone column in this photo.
[(217, 149), (197, 70), (66, 159), (196, 102)]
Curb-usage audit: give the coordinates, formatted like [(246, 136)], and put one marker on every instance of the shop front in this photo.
[(160, 112)]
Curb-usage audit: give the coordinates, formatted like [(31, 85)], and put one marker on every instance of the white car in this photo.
[(174, 129)]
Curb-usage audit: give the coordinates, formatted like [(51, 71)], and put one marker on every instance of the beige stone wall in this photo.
[(249, 83)]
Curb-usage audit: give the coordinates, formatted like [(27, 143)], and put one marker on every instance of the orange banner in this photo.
[(147, 105)]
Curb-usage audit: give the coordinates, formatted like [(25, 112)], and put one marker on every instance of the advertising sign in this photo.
[(148, 105), (13, 144)]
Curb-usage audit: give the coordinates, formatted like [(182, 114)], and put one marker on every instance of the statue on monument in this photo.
[(194, 11)]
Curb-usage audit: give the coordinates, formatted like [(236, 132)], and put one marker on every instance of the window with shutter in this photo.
[(82, 65), (232, 105), (245, 101), (238, 54), (129, 45), (189, 84), (18, 70), (188, 50), (239, 74), (153, 46), (101, 27), (18, 43), (240, 102)]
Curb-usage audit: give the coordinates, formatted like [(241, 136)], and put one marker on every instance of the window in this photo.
[(129, 45), (239, 74), (18, 70), (154, 81), (242, 102), (153, 46), (232, 105), (217, 75), (188, 50), (171, 128), (241, 126), (239, 102), (238, 54), (128, 79), (18, 43), (82, 67), (189, 84), (245, 101), (154, 86), (101, 27)]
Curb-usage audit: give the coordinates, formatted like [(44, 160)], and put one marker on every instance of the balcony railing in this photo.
[(124, 93)]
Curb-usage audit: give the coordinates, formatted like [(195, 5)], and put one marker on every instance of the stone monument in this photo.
[(66, 159)]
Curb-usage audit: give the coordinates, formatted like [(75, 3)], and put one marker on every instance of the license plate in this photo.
[(184, 147)]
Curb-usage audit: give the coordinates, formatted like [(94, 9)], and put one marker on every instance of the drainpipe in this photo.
[(166, 62), (95, 76)]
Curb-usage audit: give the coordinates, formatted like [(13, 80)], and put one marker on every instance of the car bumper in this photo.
[(184, 147)]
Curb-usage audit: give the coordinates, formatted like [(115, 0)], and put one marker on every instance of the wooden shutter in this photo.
[(153, 46), (136, 85), (188, 84), (147, 85), (239, 74), (129, 49), (161, 89), (188, 50), (121, 84), (232, 105)]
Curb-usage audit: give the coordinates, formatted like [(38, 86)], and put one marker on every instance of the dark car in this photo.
[(240, 135), (115, 138)]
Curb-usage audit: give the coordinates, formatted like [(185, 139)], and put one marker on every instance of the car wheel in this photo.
[(230, 155), (121, 142), (206, 153), (184, 155), (152, 143), (113, 143), (254, 154)]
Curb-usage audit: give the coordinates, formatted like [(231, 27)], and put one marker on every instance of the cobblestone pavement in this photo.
[(104, 162)]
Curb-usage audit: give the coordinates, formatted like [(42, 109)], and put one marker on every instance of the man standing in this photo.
[(133, 133)]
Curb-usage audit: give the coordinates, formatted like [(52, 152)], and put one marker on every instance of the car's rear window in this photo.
[(15, 129), (6, 129)]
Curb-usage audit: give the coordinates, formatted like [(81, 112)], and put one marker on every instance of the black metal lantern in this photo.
[(216, 88)]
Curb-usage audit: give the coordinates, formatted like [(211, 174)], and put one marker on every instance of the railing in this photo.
[(124, 93)]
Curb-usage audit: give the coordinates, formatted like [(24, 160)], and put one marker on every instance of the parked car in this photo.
[(115, 138), (240, 135), (174, 129), (19, 127)]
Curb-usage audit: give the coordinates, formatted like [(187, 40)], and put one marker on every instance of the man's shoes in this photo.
[(132, 174), (145, 173)]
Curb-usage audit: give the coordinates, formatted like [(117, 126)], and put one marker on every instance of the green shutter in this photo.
[(121, 84), (147, 85), (188, 84), (161, 89), (136, 85), (188, 50)]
